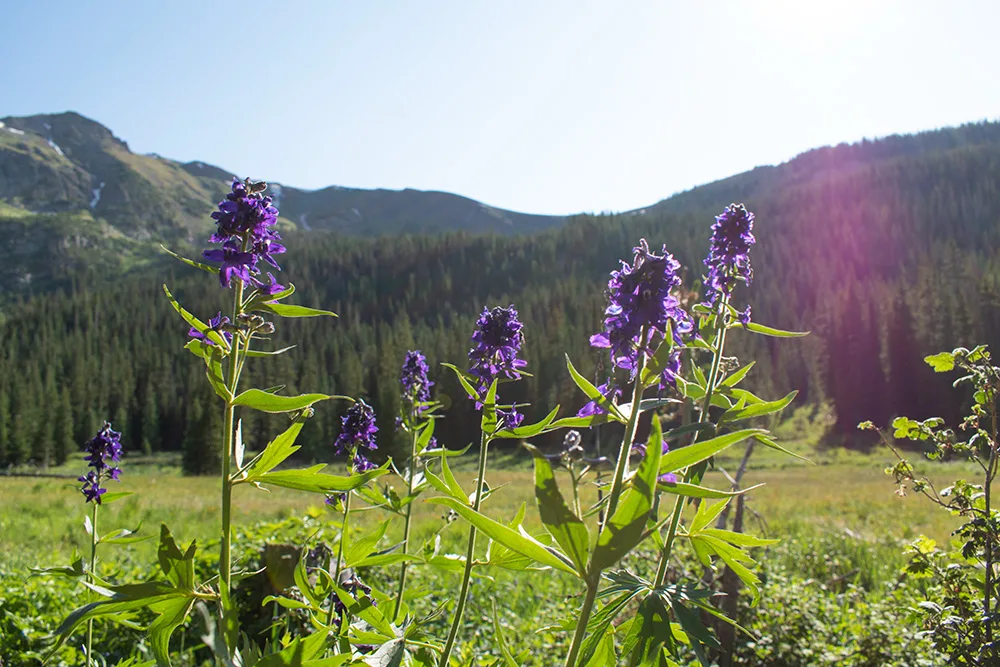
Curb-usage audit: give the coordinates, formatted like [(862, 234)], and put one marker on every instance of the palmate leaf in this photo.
[(170, 615), (514, 540), (153, 595), (568, 530), (363, 547), (300, 652), (625, 528), (600, 626), (497, 555), (178, 567)]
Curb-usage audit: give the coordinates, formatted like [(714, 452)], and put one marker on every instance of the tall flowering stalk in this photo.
[(416, 396), (642, 314), (728, 264), (498, 338), (104, 452)]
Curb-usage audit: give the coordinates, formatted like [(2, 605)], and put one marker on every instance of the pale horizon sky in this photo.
[(556, 107)]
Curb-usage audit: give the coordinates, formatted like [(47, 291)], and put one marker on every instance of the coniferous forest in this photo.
[(887, 251)]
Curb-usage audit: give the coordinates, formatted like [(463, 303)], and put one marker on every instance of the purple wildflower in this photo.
[(744, 316), (511, 418), (413, 377), (728, 258), (104, 449), (273, 288), (357, 433), (245, 228), (498, 340), (351, 583), (639, 451), (608, 391), (215, 324), (640, 300)]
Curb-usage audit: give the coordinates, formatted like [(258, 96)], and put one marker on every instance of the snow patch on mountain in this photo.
[(56, 148), (97, 195), (302, 221)]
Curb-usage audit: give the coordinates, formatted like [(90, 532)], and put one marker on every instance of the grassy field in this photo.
[(837, 518)]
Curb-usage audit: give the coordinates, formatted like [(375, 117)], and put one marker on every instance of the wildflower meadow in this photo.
[(623, 544)]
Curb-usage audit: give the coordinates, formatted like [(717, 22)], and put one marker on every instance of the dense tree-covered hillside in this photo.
[(886, 252)]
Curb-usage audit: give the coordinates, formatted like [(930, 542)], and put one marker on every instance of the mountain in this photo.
[(66, 163), (887, 251)]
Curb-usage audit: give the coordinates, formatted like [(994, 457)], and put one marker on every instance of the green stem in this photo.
[(340, 554), (406, 525), (225, 549), (93, 564), (581, 626), (470, 554), (594, 578), (630, 427), (713, 379)]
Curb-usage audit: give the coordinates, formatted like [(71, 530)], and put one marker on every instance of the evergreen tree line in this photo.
[(883, 262)]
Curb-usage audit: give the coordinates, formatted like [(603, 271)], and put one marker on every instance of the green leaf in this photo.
[(363, 547), (569, 531), (170, 614), (941, 362), (700, 451), (592, 392), (600, 625), (758, 409), (530, 430), (269, 353), (287, 310), (656, 364), (769, 442), (277, 451), (213, 371), (389, 654), (214, 270), (465, 380), (211, 334), (178, 567), (735, 378), (488, 423), (624, 530), (695, 491), (267, 402), (497, 555), (124, 536), (706, 514), (449, 484), (299, 653), (578, 422), (112, 497), (314, 481), (513, 540), (769, 331), (508, 659), (286, 603)]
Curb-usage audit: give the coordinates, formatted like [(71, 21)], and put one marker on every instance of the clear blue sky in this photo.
[(548, 107)]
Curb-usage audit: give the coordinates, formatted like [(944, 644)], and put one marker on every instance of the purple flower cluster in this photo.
[(103, 450), (357, 433), (246, 221), (498, 340), (216, 324), (728, 258), (640, 300), (413, 377)]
